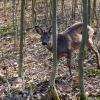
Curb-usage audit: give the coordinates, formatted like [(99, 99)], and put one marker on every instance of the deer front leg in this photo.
[(95, 50), (69, 61), (69, 52)]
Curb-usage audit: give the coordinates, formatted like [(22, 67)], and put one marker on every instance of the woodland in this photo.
[(26, 65)]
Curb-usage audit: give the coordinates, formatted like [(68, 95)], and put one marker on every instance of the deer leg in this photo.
[(69, 52), (95, 50), (69, 61)]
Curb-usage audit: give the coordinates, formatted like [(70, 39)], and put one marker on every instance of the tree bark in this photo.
[(21, 38), (53, 90), (81, 53)]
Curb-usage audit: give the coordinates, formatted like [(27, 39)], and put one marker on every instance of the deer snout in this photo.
[(44, 43)]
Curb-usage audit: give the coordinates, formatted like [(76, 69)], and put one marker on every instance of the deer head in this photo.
[(45, 35)]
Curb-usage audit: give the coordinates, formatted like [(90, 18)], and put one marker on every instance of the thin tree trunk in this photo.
[(5, 9), (62, 9), (54, 69), (13, 14), (94, 11), (89, 12), (21, 38), (33, 12), (46, 12), (74, 4), (94, 8), (13, 22), (51, 9), (81, 53)]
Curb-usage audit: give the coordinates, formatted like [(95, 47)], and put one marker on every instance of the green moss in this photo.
[(11, 33), (28, 86), (97, 98), (93, 72), (83, 97), (96, 71), (54, 94), (15, 90), (3, 29)]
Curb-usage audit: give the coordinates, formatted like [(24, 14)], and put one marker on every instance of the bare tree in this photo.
[(33, 12), (21, 38), (46, 12), (74, 5), (89, 12), (5, 8), (94, 14), (81, 53), (62, 9), (54, 68)]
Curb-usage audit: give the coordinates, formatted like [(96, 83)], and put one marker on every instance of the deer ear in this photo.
[(38, 30), (50, 30)]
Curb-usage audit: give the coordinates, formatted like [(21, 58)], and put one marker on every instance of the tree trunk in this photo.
[(21, 38), (81, 53), (33, 12), (53, 91), (89, 12), (62, 9), (74, 4)]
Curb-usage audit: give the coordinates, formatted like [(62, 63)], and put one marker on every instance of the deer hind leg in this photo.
[(95, 50)]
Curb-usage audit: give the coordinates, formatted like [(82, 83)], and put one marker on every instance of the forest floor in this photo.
[(37, 67)]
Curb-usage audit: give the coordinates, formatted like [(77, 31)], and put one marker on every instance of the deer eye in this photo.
[(41, 37), (48, 36)]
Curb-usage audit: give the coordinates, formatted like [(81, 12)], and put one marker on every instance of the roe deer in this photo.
[(68, 41)]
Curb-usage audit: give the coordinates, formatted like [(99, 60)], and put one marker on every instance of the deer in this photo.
[(68, 41)]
